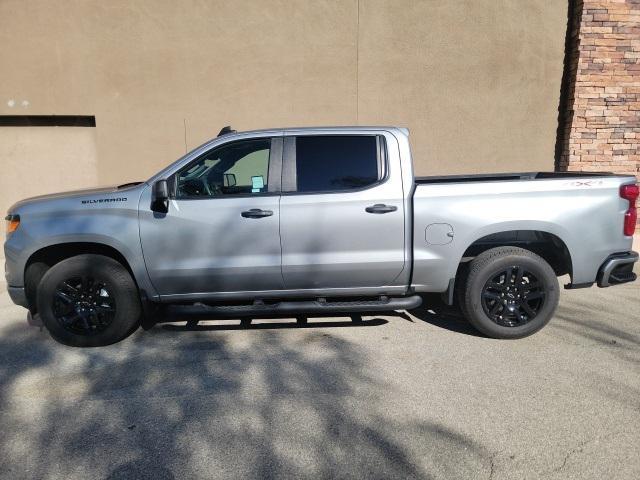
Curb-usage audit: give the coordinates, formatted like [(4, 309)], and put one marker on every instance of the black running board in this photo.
[(384, 304)]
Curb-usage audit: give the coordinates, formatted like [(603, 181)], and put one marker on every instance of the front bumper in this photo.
[(617, 269), (18, 296)]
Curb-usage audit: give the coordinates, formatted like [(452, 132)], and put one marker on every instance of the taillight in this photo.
[(630, 193)]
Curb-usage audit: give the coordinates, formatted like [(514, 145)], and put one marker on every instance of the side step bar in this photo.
[(384, 304)]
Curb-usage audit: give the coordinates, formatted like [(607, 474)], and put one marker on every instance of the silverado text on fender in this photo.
[(316, 220)]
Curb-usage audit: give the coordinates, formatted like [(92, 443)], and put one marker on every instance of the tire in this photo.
[(89, 301), (522, 279)]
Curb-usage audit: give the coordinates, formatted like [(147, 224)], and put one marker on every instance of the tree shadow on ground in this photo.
[(213, 404), (611, 334), (586, 322)]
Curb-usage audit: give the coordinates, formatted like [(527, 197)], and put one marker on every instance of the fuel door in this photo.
[(438, 234)]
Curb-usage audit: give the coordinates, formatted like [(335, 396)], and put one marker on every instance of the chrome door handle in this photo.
[(256, 213), (381, 208)]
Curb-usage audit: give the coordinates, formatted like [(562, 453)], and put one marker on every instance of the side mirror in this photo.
[(160, 197)]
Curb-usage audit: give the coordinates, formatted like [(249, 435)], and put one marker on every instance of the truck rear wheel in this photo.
[(509, 292), (88, 301)]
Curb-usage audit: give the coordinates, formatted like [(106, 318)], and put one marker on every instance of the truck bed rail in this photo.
[(488, 177)]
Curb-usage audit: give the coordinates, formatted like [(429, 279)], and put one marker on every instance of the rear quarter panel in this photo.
[(586, 214)]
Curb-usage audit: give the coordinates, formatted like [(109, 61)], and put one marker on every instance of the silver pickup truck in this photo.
[(315, 220)]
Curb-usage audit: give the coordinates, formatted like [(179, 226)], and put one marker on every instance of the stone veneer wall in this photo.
[(600, 112)]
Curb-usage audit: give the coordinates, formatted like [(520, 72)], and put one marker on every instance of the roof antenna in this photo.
[(226, 130)]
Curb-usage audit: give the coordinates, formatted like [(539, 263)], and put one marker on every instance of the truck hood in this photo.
[(89, 193)]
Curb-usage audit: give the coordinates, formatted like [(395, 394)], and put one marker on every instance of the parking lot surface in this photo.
[(418, 395)]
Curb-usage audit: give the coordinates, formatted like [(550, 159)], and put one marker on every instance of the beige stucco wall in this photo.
[(32, 158), (477, 82)]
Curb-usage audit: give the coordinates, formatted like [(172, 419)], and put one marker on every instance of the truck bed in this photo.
[(582, 210)]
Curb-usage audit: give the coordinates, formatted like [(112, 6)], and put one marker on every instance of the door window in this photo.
[(238, 168), (328, 163)]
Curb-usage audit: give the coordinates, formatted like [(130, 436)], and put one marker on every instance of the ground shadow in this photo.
[(437, 313), (269, 405)]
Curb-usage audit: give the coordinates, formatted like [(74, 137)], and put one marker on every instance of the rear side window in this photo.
[(331, 163)]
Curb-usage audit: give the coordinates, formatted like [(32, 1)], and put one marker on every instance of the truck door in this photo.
[(342, 213), (221, 233)]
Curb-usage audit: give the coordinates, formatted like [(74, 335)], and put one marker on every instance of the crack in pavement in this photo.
[(492, 463), (579, 448)]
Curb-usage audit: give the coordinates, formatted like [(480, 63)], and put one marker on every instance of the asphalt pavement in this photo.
[(396, 396)]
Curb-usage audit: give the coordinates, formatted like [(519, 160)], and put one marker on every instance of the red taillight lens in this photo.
[(630, 193), (630, 219)]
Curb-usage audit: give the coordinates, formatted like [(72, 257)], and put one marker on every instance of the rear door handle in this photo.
[(256, 213), (381, 208)]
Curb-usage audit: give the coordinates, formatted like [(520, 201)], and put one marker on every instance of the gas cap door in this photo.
[(438, 234)]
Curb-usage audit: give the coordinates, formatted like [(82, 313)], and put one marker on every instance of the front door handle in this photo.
[(256, 213), (381, 208)]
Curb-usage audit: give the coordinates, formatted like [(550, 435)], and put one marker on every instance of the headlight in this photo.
[(13, 222)]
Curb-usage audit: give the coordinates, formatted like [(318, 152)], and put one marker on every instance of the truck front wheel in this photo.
[(509, 292), (88, 301)]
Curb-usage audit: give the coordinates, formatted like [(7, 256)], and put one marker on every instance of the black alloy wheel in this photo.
[(84, 305), (89, 300), (508, 292), (513, 296)]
